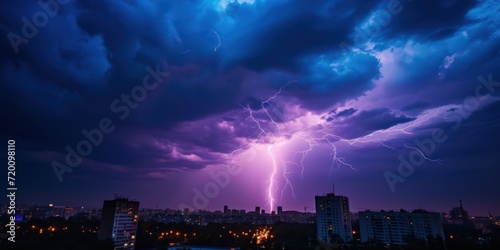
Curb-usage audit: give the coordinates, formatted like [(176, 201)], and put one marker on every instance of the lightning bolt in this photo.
[(218, 38), (288, 183), (272, 134), (423, 155), (272, 181), (269, 125)]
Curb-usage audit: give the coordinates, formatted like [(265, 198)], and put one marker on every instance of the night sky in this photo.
[(253, 103)]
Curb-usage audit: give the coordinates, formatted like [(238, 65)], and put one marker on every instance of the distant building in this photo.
[(333, 218), (482, 223), (183, 247), (458, 215), (394, 228), (119, 222), (280, 210)]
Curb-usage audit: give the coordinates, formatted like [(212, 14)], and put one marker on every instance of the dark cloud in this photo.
[(415, 105), (346, 112), (430, 20), (225, 70), (329, 80), (288, 31), (333, 114), (368, 121)]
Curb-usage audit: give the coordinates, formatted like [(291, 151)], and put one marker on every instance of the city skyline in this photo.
[(448, 211), (121, 223), (202, 104)]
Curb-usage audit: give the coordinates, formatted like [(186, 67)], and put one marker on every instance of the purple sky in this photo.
[(209, 103)]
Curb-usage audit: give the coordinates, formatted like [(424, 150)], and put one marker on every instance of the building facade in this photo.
[(119, 222), (333, 218), (392, 227)]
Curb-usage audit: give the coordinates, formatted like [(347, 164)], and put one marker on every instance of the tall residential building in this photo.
[(394, 228), (119, 222), (333, 218)]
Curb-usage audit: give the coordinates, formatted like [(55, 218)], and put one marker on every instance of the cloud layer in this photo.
[(282, 65)]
